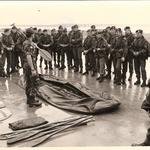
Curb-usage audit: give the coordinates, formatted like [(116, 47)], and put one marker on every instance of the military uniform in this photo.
[(140, 52), (2, 59), (88, 45), (120, 51), (101, 51), (8, 45), (45, 42), (76, 42), (129, 58), (63, 43), (18, 41), (29, 49), (58, 48)]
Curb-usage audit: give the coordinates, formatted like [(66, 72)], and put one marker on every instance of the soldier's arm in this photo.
[(125, 49), (30, 63)]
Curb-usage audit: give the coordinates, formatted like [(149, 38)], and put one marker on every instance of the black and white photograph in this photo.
[(74, 73)]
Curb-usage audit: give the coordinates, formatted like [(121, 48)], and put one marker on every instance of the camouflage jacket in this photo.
[(29, 48), (140, 45), (89, 43), (7, 41), (120, 47), (76, 38), (101, 47)]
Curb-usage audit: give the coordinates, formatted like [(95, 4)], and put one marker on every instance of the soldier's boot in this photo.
[(144, 84), (130, 77), (101, 79), (123, 82), (137, 82), (85, 73)]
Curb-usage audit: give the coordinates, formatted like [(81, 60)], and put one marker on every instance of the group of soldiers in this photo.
[(102, 49)]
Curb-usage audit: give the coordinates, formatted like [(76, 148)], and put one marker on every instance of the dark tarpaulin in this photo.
[(75, 97)]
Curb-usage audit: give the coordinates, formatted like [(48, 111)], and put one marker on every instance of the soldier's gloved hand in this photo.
[(0, 56), (123, 59), (94, 50)]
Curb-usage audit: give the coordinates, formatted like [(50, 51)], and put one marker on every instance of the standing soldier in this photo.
[(70, 51), (54, 46), (140, 52), (88, 45), (120, 50), (30, 69), (8, 45), (63, 42), (129, 59), (111, 55), (101, 51), (60, 30), (76, 41), (45, 42), (2, 59)]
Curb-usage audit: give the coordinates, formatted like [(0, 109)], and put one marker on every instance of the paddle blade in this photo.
[(46, 55)]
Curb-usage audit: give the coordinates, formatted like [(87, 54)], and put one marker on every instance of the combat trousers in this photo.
[(139, 65), (109, 62), (2, 63), (31, 85), (118, 70), (77, 52), (102, 66), (8, 56), (69, 54), (62, 54)]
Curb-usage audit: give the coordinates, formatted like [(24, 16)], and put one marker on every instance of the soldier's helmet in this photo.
[(6, 30), (65, 30), (139, 31)]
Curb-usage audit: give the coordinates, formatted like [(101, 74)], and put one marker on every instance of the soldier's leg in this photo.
[(46, 65), (86, 63), (137, 70), (68, 55), (9, 58), (94, 64), (75, 54), (118, 71), (80, 58), (109, 64), (101, 69), (130, 61), (62, 58), (143, 72), (41, 60), (124, 71), (31, 88)]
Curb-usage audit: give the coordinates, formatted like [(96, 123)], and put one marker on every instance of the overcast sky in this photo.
[(82, 12)]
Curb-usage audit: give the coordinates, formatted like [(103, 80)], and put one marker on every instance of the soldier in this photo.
[(120, 51), (93, 28), (2, 59), (60, 30), (76, 41), (140, 53), (8, 45), (111, 56), (30, 69), (129, 59), (18, 39), (54, 46), (36, 39), (70, 50), (45, 42), (15, 58), (101, 51), (63, 42), (88, 45)]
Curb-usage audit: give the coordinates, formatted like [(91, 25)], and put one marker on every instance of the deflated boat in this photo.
[(74, 97)]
